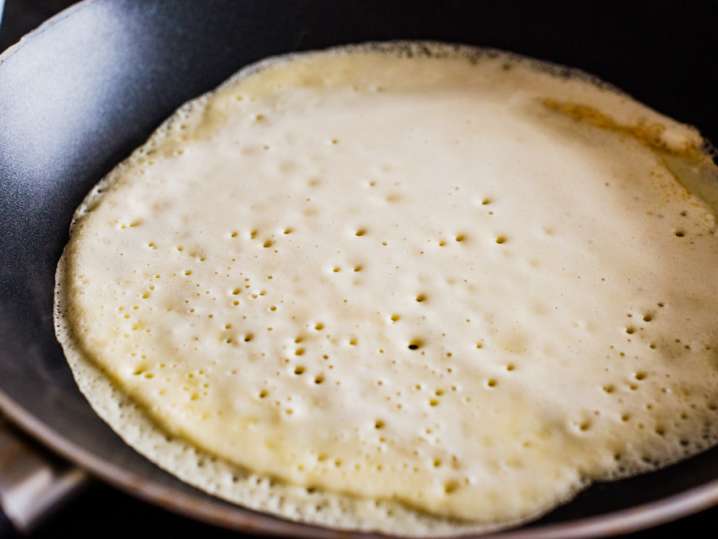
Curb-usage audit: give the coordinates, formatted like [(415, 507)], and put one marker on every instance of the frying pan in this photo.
[(78, 94)]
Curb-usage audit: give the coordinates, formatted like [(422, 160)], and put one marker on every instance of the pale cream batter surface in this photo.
[(412, 288)]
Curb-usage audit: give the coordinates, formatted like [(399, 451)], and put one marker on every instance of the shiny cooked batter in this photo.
[(451, 281)]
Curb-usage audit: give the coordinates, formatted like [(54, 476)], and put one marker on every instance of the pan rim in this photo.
[(206, 508), (623, 521)]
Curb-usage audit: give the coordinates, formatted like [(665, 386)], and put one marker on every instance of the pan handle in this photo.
[(33, 483)]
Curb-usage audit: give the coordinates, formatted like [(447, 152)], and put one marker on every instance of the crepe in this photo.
[(405, 287)]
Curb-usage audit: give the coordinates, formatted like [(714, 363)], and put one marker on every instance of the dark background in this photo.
[(102, 508)]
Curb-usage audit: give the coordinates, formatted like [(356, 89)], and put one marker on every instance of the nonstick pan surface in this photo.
[(78, 94)]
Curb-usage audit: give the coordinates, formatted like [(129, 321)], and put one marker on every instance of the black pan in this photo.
[(78, 94)]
